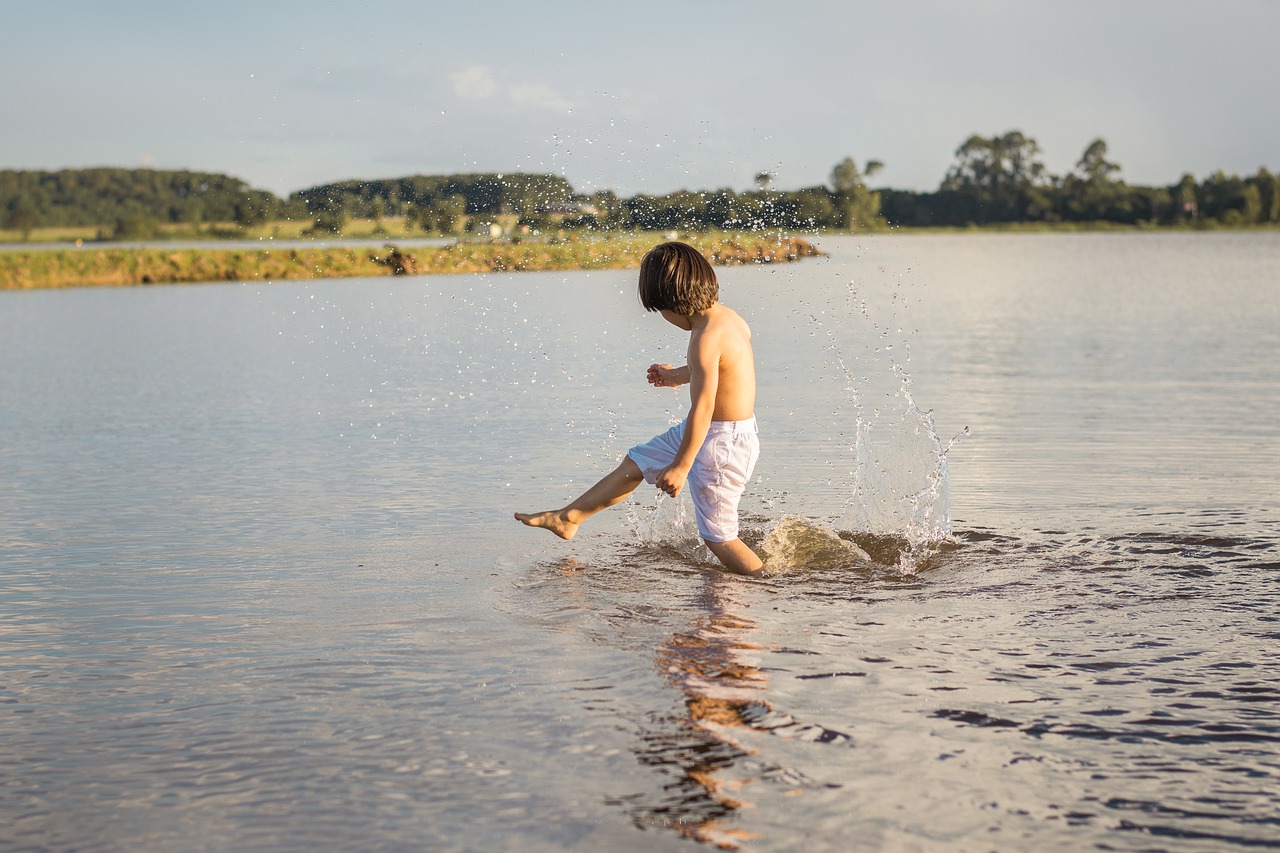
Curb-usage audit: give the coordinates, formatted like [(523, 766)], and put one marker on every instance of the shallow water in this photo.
[(261, 585)]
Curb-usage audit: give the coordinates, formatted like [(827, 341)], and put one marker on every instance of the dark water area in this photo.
[(261, 587)]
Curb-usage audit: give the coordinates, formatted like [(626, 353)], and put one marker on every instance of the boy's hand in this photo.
[(671, 480), (663, 376)]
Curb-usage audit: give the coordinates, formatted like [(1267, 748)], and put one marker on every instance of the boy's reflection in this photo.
[(705, 752), (715, 666)]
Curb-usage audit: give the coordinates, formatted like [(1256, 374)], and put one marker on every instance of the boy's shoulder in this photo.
[(725, 331), (729, 321)]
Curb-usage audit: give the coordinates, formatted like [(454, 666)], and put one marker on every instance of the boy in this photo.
[(715, 449)]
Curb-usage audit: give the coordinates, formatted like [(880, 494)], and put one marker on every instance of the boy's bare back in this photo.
[(725, 342)]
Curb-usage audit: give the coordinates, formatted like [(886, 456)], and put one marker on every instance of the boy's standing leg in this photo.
[(737, 557), (612, 488)]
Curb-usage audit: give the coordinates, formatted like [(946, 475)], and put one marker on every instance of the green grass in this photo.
[(104, 265)]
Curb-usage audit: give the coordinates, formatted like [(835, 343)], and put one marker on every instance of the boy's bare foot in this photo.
[(552, 520)]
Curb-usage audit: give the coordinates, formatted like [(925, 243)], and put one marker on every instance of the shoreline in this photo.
[(394, 231), (103, 266)]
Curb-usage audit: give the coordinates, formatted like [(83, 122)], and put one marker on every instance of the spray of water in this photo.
[(901, 489)]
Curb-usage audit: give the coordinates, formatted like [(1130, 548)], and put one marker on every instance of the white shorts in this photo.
[(719, 474)]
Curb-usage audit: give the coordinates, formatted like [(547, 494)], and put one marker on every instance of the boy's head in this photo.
[(676, 277)]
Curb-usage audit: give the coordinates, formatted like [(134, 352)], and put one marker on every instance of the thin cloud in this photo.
[(538, 95), (477, 83), (474, 83)]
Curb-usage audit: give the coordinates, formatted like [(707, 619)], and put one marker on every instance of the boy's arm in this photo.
[(704, 378), (666, 376)]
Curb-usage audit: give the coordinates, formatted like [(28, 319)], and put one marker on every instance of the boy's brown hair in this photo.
[(676, 277)]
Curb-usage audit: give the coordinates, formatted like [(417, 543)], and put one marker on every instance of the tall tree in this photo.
[(1093, 165), (1270, 186), (998, 175), (1186, 198), (859, 207), (1091, 194), (1251, 204), (845, 176)]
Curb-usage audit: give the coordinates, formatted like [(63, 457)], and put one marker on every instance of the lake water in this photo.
[(262, 588)]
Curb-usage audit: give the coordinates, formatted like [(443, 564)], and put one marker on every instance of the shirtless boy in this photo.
[(715, 449)]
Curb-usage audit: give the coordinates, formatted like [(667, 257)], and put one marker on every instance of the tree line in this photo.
[(127, 199), (997, 179), (437, 203), (1002, 179)]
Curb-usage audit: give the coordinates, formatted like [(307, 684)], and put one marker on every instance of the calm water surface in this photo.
[(261, 587)]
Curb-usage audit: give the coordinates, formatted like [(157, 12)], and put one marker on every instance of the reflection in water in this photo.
[(715, 664), (711, 663)]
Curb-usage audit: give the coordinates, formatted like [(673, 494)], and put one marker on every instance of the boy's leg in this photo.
[(612, 488), (737, 557)]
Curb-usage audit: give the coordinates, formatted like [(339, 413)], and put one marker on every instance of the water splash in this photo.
[(900, 485), (667, 522), (793, 541)]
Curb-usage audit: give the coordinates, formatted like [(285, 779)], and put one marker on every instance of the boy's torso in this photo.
[(736, 380)]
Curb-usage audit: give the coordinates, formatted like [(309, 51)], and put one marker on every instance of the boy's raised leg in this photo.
[(612, 488), (737, 557)]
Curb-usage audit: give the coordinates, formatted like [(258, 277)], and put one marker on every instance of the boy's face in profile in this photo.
[(678, 320)]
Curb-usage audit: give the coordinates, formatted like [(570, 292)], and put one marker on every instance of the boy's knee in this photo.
[(630, 469), (737, 557)]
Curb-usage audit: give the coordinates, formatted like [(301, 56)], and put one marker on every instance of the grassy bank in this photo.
[(95, 266)]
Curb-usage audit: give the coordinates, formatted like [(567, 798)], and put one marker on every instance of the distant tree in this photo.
[(815, 208), (190, 210), (997, 175), (845, 176), (21, 216), (329, 222), (763, 179), (443, 215), (1220, 194), (1093, 165), (134, 226), (1251, 204), (1091, 193), (608, 208), (859, 208), (1186, 198), (331, 209), (1269, 185), (250, 212), (1151, 204)]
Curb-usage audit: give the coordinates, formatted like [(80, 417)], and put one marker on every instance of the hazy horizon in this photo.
[(672, 97)]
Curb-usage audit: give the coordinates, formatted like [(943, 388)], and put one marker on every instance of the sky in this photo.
[(635, 97)]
